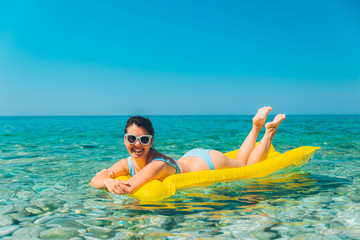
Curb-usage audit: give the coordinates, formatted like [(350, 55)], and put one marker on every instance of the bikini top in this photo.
[(132, 170)]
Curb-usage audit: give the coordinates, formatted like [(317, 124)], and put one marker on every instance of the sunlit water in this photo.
[(47, 163)]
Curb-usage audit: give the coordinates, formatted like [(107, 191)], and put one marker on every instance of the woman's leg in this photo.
[(249, 144), (262, 149)]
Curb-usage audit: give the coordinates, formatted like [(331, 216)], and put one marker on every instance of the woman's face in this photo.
[(138, 150)]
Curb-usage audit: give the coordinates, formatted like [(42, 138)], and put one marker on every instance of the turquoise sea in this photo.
[(47, 162)]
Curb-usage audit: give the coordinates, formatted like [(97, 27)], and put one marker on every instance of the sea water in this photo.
[(47, 162)]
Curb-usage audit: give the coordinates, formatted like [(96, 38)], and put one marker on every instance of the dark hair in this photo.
[(140, 122)]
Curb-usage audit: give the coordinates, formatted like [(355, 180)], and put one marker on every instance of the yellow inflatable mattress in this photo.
[(158, 190)]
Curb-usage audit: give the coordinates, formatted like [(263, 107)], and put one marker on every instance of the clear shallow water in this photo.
[(47, 162)]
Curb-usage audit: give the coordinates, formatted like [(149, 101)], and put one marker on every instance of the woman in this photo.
[(145, 163)]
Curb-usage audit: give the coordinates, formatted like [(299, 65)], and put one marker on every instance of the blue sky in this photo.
[(179, 57)]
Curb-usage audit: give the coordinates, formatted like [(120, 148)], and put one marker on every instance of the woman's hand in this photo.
[(117, 186)]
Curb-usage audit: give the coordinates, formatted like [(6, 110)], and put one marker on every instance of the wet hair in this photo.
[(140, 122)]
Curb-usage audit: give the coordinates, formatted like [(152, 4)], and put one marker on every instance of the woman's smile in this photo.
[(137, 151)]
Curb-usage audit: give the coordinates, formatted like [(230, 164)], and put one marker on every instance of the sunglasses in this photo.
[(144, 139)]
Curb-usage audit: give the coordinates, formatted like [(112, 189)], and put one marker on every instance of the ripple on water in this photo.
[(5, 220), (5, 209), (32, 232), (6, 230), (59, 233)]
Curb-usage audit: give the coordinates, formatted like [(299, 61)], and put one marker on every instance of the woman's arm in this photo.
[(104, 178), (155, 170)]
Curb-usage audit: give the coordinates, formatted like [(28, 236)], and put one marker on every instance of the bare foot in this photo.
[(275, 123), (261, 115)]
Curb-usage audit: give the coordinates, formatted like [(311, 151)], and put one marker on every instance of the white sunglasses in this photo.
[(144, 139)]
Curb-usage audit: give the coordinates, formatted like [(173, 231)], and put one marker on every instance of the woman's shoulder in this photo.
[(158, 155), (123, 160), (122, 163)]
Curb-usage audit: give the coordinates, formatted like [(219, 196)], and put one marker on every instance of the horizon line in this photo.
[(175, 115)]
